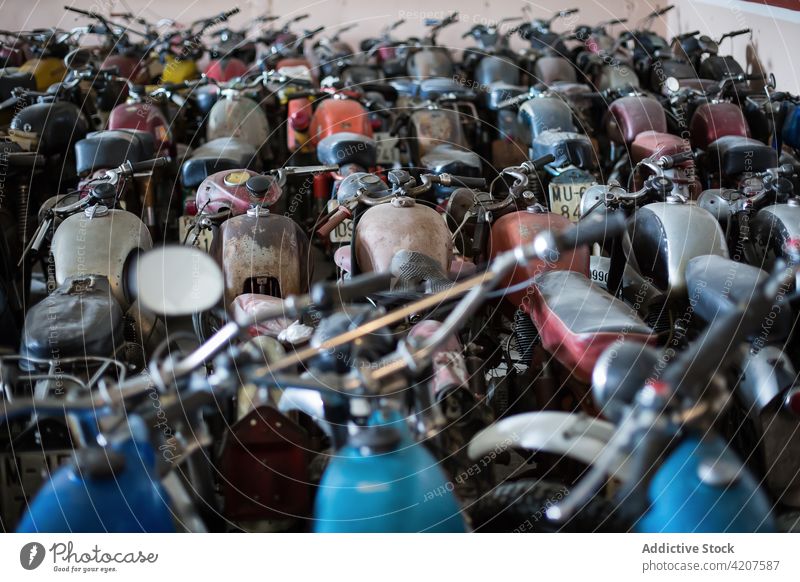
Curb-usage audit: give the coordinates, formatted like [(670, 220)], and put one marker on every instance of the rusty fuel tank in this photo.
[(262, 252)]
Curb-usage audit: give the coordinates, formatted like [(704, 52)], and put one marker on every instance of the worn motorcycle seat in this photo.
[(567, 147), (718, 284), (217, 155), (734, 154), (113, 147), (578, 320), (449, 159), (407, 87), (348, 148), (437, 88), (649, 143), (11, 79), (80, 318), (629, 116), (57, 125)]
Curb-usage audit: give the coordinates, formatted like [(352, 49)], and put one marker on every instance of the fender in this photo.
[(577, 436)]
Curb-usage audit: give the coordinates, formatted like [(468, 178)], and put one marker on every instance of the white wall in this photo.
[(776, 34)]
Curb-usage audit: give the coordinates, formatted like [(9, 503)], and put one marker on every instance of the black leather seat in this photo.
[(449, 159), (10, 80), (734, 154), (407, 87), (348, 148), (217, 155), (567, 147), (80, 318), (113, 147), (437, 88), (57, 124), (718, 284), (578, 320)]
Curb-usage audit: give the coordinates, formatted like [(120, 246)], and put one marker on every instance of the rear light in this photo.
[(300, 119), (376, 123), (792, 401)]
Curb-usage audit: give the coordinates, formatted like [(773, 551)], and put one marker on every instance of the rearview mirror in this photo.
[(672, 84), (177, 280)]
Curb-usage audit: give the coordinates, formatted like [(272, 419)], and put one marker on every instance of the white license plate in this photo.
[(565, 199), (344, 230), (599, 267), (388, 150)]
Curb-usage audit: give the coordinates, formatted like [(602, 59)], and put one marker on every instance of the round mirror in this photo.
[(177, 280), (771, 83), (672, 84)]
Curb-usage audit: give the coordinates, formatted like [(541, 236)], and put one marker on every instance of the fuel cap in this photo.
[(236, 178), (258, 186), (104, 192)]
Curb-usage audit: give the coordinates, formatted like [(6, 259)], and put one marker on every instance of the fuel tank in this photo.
[(518, 228), (337, 115), (144, 117), (665, 236), (773, 227), (262, 252), (401, 225), (103, 243), (235, 115), (233, 190), (222, 70), (543, 113), (47, 71), (431, 62)]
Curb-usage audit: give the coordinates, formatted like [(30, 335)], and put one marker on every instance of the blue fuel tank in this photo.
[(702, 487), (384, 481)]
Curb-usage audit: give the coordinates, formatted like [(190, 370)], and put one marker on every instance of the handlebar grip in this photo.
[(739, 32), (590, 231), (149, 165), (541, 162), (327, 294), (668, 162), (338, 217), (467, 182), (228, 13)]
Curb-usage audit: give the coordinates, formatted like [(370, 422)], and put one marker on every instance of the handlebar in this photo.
[(326, 295)]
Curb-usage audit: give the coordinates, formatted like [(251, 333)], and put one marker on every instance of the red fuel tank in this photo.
[(519, 228)]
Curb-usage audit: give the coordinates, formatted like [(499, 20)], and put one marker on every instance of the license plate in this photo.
[(344, 230), (388, 150), (599, 267), (565, 198)]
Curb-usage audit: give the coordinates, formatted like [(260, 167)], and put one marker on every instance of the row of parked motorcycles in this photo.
[(259, 279)]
